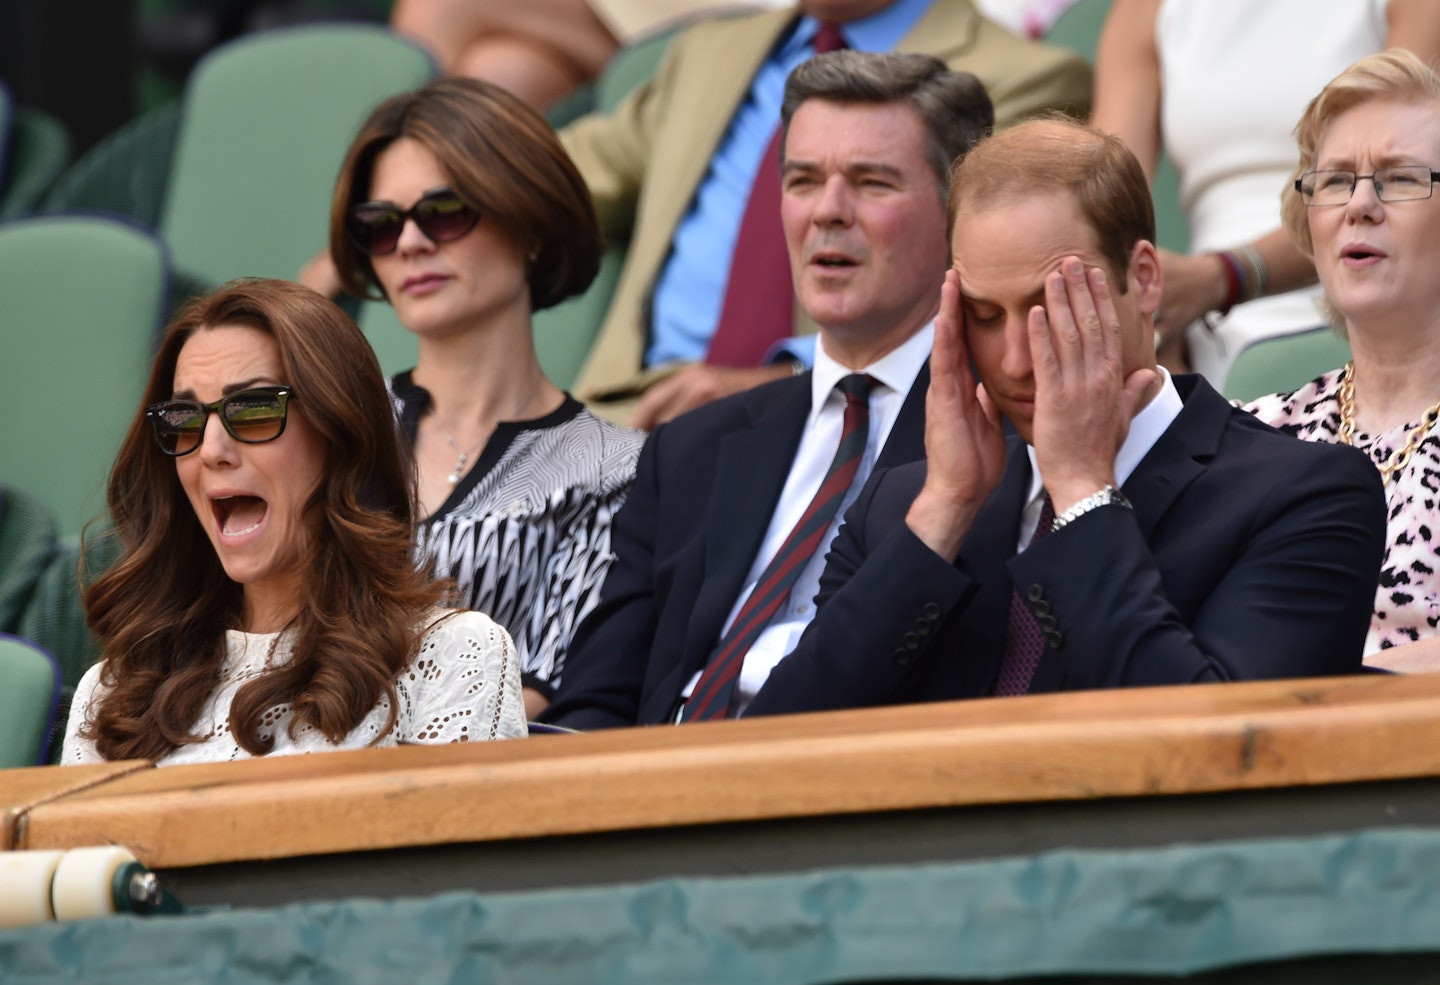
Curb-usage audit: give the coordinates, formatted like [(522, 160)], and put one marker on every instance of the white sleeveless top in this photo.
[(1235, 77)]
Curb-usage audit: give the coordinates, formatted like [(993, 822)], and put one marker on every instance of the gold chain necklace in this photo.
[(1400, 457)]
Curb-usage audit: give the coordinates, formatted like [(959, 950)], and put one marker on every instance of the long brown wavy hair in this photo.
[(162, 610)]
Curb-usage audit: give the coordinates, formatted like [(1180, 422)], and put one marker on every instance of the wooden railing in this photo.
[(1102, 744)]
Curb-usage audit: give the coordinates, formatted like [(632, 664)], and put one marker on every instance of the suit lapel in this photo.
[(1180, 455), (1172, 463), (906, 442), (752, 465)]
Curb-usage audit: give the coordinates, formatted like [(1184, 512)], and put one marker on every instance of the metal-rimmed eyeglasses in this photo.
[(1397, 183), (253, 416)]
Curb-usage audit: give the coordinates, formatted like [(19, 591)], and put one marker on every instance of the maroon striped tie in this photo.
[(759, 305), (1024, 640), (714, 694)]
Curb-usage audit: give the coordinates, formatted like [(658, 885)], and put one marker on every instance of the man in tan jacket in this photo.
[(671, 167)]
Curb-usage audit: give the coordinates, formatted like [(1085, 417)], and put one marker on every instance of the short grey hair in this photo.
[(953, 106)]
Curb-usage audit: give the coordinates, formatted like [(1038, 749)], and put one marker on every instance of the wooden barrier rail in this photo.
[(1043, 748)]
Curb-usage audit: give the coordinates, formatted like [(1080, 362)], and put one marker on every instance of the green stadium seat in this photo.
[(29, 694), (126, 173), (83, 298), (265, 122), (38, 151), (1285, 363)]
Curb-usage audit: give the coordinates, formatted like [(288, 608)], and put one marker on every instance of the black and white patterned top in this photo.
[(526, 532), (1407, 602)]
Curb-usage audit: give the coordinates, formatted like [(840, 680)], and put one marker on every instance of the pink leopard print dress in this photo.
[(1407, 601)]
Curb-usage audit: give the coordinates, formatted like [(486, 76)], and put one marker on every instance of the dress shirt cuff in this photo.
[(799, 349)]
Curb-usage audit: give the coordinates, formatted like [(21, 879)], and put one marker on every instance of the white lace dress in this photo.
[(463, 686)]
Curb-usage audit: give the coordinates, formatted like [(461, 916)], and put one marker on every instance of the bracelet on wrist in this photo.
[(1109, 496), (1257, 274), (1234, 280), (1246, 276)]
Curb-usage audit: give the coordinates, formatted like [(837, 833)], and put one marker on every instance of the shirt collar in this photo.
[(896, 369), (1146, 428), (880, 31)]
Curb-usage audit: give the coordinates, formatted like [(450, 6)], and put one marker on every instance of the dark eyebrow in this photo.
[(228, 389), (851, 168), (873, 167)]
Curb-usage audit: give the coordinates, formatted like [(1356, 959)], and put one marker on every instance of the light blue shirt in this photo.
[(691, 287)]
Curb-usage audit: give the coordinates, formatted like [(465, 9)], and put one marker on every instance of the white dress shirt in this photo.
[(895, 373), (1146, 428)]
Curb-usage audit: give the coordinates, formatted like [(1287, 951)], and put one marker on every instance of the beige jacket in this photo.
[(645, 161)]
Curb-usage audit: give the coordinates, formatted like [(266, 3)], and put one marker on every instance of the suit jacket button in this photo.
[(902, 657), (1042, 608), (1055, 639), (922, 627), (1036, 593), (1047, 622), (912, 642), (932, 611)]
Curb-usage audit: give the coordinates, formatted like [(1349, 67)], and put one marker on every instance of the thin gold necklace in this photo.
[(1400, 457)]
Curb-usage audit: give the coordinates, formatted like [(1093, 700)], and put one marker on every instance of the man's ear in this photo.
[(1145, 276)]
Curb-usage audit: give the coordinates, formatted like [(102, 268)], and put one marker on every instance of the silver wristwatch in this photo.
[(1109, 496)]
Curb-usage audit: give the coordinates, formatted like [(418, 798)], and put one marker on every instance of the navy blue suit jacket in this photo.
[(1248, 555), (705, 488)]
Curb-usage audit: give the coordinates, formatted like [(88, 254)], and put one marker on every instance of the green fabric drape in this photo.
[(1170, 911)]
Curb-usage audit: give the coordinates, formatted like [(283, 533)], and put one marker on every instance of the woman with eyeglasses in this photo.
[(1362, 204), (265, 601), (458, 204), (1217, 86)]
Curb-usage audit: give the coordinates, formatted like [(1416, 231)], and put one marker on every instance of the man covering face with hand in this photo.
[(1135, 530)]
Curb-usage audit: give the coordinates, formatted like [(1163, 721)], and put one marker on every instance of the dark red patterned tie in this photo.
[(759, 306), (1024, 640), (714, 694)]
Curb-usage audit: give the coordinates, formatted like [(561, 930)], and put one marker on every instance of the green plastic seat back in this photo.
[(54, 618), (27, 543), (564, 333), (1078, 29), (29, 695), (125, 173), (1286, 363), (265, 124), (395, 346), (631, 65), (83, 297), (38, 152)]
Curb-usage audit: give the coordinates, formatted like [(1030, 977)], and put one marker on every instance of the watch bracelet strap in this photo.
[(1109, 496)]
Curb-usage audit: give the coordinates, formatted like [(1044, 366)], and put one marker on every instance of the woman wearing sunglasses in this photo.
[(1362, 204), (265, 601), (457, 204)]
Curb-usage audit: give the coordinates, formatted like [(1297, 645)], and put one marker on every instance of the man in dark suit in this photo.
[(720, 493), (1140, 531)]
